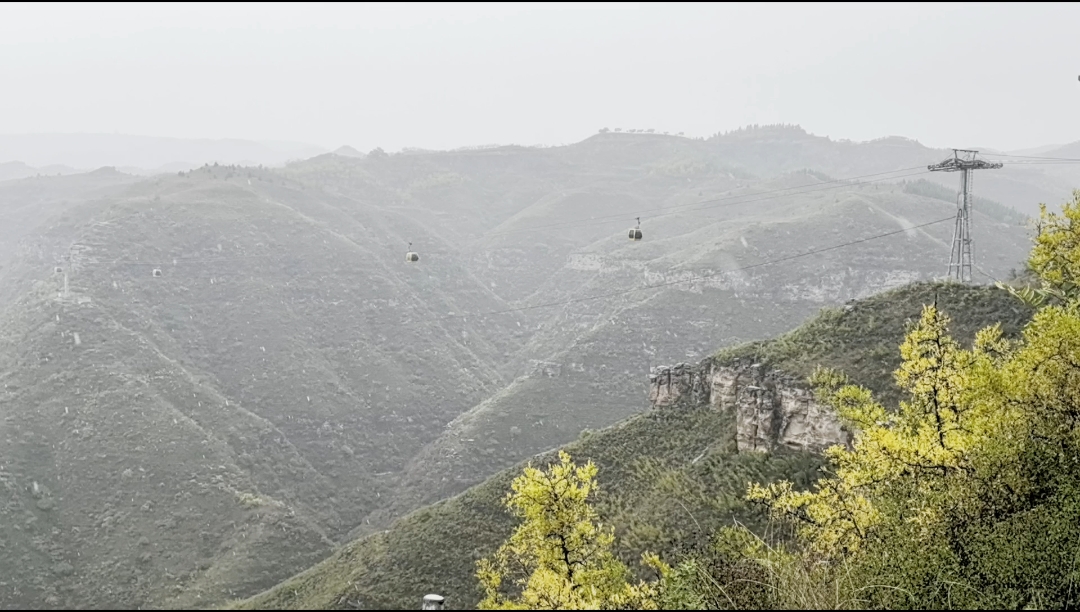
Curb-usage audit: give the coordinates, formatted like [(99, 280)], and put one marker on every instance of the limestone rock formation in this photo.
[(771, 409)]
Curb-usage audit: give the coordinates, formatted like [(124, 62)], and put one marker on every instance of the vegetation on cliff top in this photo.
[(964, 494)]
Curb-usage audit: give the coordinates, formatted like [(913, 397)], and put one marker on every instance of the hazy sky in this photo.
[(443, 76)]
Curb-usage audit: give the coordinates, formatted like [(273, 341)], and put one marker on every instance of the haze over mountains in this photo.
[(23, 155), (26, 155), (211, 378), (225, 383)]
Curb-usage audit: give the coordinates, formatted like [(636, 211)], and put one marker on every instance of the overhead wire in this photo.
[(1038, 157), (1022, 163), (724, 201), (985, 273), (1033, 160), (705, 276)]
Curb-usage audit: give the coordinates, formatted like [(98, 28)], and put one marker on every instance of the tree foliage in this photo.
[(967, 494), (560, 556), (1055, 260)]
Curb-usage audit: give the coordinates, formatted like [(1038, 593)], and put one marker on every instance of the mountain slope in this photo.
[(667, 476), (273, 394)]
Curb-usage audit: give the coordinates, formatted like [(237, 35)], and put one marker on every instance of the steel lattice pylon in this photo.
[(961, 256)]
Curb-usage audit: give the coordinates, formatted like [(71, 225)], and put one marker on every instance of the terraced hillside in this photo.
[(287, 382), (668, 476)]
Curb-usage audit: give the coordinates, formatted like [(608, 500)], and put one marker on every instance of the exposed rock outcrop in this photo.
[(771, 409), (548, 369)]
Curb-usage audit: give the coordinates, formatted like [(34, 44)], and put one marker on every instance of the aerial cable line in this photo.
[(725, 201), (1039, 157), (1012, 162), (987, 274), (785, 195), (693, 278), (604, 219), (701, 276)]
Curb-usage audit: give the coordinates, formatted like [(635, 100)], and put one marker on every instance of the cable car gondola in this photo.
[(635, 232), (410, 256)]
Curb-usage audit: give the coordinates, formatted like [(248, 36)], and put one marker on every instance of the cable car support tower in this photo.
[(961, 257)]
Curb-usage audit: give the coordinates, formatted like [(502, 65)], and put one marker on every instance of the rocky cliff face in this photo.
[(771, 410)]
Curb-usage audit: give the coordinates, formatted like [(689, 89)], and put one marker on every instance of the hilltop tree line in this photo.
[(635, 131), (743, 130), (964, 495)]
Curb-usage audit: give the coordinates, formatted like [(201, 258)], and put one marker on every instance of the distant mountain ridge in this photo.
[(347, 151), (770, 149), (1041, 150), (145, 152), (1071, 150), (17, 170)]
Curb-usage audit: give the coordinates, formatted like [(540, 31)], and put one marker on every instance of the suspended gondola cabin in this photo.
[(635, 232), (411, 256)]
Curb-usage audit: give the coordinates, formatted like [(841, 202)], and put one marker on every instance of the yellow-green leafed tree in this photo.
[(968, 493), (1055, 260), (560, 556)]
